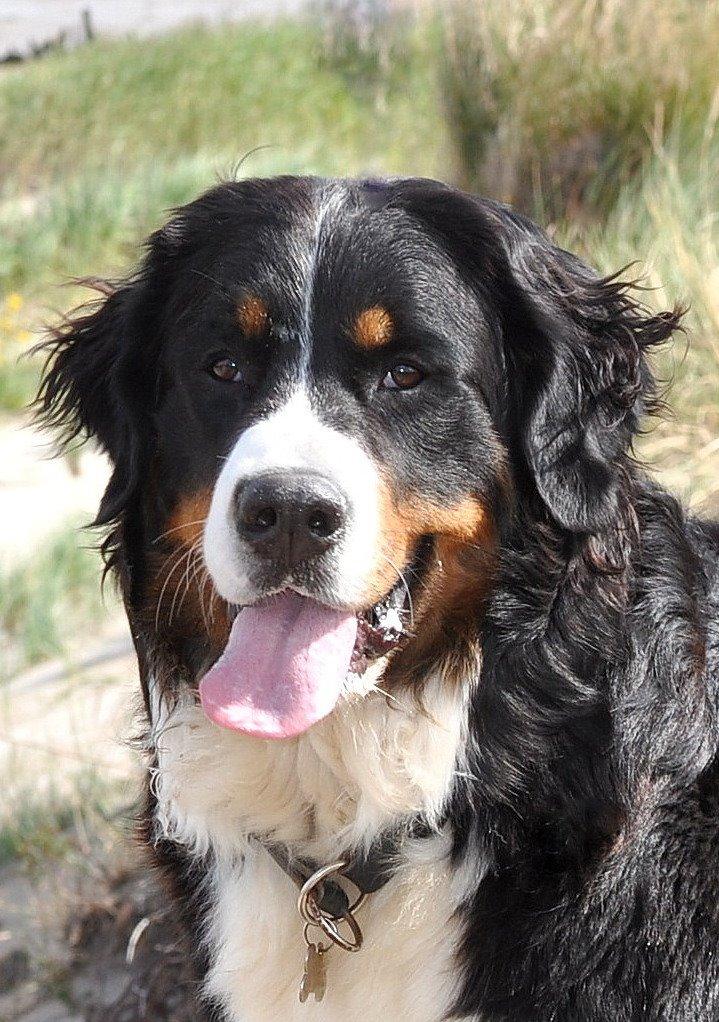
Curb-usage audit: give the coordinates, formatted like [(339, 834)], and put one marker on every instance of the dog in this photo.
[(429, 664)]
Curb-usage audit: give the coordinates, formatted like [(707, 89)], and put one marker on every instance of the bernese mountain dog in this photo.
[(429, 665)]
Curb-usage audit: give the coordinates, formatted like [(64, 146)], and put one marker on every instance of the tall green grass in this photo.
[(138, 102), (97, 144), (61, 821), (668, 219)]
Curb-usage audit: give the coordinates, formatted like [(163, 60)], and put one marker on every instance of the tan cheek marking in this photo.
[(188, 519), (450, 603), (253, 316), (450, 609), (462, 521), (461, 578), (465, 523), (373, 328), (182, 600), (395, 545)]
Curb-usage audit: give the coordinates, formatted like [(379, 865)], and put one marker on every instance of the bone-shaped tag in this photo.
[(314, 980)]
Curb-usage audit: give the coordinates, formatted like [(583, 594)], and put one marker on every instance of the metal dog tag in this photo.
[(314, 980)]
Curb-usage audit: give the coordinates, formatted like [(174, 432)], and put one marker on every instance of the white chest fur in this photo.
[(405, 969), (372, 763)]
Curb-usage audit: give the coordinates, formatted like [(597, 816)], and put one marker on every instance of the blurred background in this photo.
[(596, 117)]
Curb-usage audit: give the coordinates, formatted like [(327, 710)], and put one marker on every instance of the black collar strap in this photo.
[(369, 871)]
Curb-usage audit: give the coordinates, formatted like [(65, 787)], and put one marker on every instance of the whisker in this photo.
[(176, 528), (200, 577), (178, 556), (207, 612), (214, 280), (193, 567), (213, 597), (184, 579), (186, 559), (388, 695)]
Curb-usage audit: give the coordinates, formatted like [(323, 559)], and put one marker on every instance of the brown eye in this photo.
[(402, 377), (226, 369)]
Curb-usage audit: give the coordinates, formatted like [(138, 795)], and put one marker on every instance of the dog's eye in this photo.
[(225, 369), (402, 377)]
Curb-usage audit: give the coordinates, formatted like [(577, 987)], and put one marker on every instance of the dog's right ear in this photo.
[(99, 378), (94, 381)]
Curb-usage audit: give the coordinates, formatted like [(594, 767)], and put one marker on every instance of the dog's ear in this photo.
[(99, 378), (95, 381), (575, 377), (574, 350)]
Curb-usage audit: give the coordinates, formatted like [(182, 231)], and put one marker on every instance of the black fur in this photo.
[(593, 733)]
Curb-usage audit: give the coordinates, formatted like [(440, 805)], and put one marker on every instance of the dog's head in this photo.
[(325, 403)]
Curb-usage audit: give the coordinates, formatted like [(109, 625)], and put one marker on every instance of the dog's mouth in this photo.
[(382, 628), (288, 659)]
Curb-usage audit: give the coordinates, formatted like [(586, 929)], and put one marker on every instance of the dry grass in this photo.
[(669, 218), (53, 595), (599, 117), (555, 105)]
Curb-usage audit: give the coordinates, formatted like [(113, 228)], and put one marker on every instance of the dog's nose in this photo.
[(290, 518)]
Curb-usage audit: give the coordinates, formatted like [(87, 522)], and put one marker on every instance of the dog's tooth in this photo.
[(392, 621)]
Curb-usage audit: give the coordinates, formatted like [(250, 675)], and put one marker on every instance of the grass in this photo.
[(18, 375), (671, 215), (600, 119), (48, 599), (556, 105), (38, 828), (133, 102)]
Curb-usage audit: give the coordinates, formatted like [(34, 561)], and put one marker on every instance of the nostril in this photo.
[(259, 520), (324, 520)]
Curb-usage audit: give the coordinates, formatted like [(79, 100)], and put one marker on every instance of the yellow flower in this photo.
[(14, 302)]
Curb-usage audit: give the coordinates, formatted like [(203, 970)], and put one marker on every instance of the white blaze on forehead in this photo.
[(294, 439), (328, 202)]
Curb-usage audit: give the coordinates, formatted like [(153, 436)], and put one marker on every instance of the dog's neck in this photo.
[(374, 763)]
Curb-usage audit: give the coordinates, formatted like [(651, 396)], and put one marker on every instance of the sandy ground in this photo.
[(40, 493), (56, 721), (66, 916), (92, 939)]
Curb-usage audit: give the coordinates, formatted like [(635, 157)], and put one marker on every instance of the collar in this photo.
[(368, 871)]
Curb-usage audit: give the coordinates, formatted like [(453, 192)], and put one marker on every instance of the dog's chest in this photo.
[(364, 769), (405, 968)]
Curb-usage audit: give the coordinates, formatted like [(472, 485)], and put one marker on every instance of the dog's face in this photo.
[(324, 387), (322, 400)]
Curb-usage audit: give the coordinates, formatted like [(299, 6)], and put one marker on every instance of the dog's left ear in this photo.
[(575, 377), (574, 349)]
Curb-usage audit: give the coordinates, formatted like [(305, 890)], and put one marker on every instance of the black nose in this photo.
[(290, 518)]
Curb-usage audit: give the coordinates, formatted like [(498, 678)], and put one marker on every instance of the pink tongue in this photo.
[(282, 669)]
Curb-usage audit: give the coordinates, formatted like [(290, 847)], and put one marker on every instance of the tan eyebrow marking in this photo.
[(373, 327), (253, 316)]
